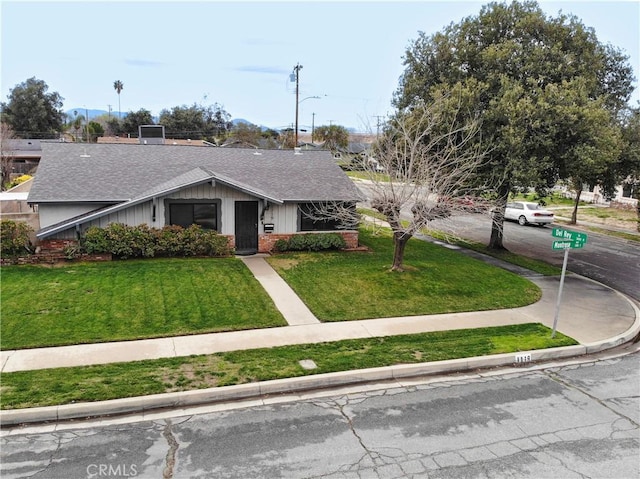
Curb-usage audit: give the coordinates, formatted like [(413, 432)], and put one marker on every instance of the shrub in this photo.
[(311, 242), (14, 237), (169, 241), (281, 245), (20, 179), (142, 241), (95, 240)]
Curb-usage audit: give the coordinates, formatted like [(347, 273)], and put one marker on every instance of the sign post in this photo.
[(569, 240)]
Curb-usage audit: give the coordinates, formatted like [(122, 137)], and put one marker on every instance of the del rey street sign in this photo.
[(568, 239)]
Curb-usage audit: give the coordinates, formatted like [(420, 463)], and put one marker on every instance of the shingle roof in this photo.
[(117, 173)]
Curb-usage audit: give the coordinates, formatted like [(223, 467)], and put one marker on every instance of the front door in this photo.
[(246, 227)]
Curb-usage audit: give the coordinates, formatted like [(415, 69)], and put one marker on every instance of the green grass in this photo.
[(96, 383), (618, 234), (595, 213), (123, 300), (529, 263), (551, 200), (366, 175), (523, 261), (339, 286)]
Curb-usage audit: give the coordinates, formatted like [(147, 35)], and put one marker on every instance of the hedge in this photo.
[(311, 242), (14, 238), (142, 241)]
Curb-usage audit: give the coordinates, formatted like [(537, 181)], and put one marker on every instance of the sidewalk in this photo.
[(595, 315)]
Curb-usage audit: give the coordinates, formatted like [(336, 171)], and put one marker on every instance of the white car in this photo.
[(528, 213)]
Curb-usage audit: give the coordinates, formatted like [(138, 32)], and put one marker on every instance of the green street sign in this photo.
[(569, 239), (566, 244)]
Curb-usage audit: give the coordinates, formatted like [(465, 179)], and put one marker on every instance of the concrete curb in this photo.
[(143, 404)]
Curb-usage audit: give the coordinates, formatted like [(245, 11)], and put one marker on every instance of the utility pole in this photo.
[(296, 71), (313, 119), (377, 117)]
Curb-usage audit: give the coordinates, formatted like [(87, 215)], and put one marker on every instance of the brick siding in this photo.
[(267, 241)]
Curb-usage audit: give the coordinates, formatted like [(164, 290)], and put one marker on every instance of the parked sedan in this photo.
[(528, 213)]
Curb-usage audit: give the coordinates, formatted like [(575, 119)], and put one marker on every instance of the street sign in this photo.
[(569, 239), (557, 245)]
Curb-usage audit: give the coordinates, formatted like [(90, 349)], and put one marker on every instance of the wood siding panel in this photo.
[(53, 213), (284, 217)]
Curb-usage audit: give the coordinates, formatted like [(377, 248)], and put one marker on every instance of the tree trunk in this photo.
[(497, 220), (637, 187), (574, 214), (399, 243)]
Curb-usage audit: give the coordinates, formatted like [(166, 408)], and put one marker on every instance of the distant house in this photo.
[(24, 154), (252, 196)]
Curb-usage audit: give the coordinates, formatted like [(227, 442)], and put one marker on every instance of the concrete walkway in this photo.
[(295, 312)]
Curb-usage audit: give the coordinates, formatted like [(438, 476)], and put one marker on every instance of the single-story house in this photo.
[(254, 197), (24, 155)]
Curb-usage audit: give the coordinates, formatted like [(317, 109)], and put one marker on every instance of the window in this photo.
[(186, 213), (313, 219)]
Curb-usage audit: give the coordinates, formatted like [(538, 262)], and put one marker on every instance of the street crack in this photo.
[(170, 460)]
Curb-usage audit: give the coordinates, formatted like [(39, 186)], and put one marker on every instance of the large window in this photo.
[(316, 217), (187, 213)]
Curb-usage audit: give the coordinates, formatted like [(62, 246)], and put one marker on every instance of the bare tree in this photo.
[(7, 155), (421, 170)]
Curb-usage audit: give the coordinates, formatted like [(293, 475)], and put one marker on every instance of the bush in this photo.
[(144, 242), (14, 236), (95, 240), (20, 179), (311, 242)]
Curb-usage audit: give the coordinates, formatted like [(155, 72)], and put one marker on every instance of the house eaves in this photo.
[(247, 189), (191, 178)]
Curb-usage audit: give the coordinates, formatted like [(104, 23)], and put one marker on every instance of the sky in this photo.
[(240, 55)]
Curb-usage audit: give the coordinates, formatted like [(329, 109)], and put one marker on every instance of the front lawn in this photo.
[(133, 299), (348, 286), (49, 387)]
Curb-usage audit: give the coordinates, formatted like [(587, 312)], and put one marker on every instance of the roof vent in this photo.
[(257, 153), (297, 151)]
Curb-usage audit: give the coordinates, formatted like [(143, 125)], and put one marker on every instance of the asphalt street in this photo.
[(612, 261), (607, 259), (571, 421)]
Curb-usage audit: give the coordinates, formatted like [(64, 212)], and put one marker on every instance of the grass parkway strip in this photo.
[(50, 387)]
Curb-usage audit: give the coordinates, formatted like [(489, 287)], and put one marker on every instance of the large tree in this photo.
[(196, 122), (246, 133), (32, 112), (335, 137), (587, 140), (506, 58), (629, 165), (134, 119)]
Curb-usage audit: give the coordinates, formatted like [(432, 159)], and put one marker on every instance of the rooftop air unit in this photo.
[(151, 134)]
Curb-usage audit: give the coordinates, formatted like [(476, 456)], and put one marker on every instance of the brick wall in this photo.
[(266, 242), (47, 245)]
